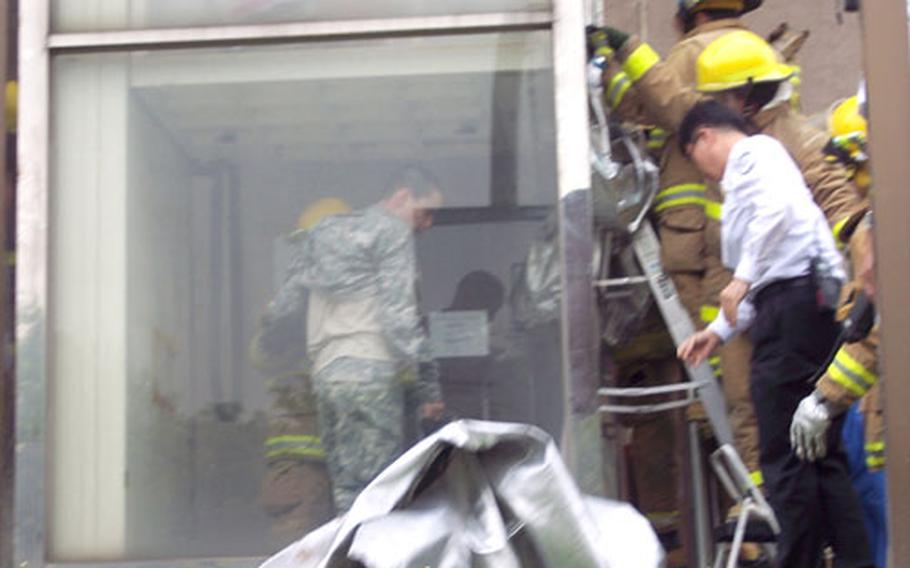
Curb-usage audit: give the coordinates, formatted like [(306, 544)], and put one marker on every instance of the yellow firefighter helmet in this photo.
[(736, 59), (740, 6), (849, 130), (846, 120), (319, 210)]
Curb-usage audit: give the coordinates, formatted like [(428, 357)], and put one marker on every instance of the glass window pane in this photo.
[(248, 243), (84, 15)]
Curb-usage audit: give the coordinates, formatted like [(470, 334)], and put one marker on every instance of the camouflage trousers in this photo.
[(361, 422)]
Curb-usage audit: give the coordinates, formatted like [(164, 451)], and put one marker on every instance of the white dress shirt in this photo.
[(771, 229)]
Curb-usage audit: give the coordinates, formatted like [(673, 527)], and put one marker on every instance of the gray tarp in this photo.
[(478, 495)]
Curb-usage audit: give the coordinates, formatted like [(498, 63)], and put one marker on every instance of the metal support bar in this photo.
[(172, 38), (703, 534), (647, 408), (576, 245), (29, 508), (886, 67), (7, 388)]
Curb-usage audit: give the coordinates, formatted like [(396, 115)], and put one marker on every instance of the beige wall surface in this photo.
[(830, 59)]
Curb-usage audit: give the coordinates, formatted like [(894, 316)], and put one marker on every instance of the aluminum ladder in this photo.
[(641, 267)]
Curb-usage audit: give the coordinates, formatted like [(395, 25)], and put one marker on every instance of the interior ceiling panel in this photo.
[(342, 119)]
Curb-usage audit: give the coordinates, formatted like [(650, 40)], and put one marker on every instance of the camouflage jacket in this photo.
[(356, 275)]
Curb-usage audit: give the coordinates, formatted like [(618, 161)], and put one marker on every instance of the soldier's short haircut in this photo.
[(710, 114), (417, 179)]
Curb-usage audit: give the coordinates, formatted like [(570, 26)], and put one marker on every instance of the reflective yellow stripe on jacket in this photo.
[(617, 88), (713, 209), (838, 230), (795, 80), (640, 61), (850, 374), (682, 194), (294, 447)]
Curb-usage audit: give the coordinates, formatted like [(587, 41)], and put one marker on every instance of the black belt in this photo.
[(773, 289)]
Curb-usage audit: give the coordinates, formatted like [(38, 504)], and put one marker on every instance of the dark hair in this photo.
[(687, 17), (418, 180), (761, 94), (479, 290), (721, 14), (711, 114)]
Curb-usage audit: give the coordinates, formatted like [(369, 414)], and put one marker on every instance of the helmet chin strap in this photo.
[(749, 108)]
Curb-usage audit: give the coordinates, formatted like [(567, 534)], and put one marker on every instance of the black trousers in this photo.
[(814, 502)]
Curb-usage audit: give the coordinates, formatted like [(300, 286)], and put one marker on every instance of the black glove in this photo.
[(606, 37), (859, 320)]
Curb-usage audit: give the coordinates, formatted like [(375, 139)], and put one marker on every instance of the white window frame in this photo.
[(38, 46)]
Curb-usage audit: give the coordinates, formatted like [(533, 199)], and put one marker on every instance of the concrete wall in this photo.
[(831, 59)]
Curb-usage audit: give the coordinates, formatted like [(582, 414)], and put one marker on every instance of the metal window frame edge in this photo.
[(231, 562), (296, 32), (581, 444), (32, 285)]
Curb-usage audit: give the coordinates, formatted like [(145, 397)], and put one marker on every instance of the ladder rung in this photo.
[(616, 282), (646, 408), (687, 387)]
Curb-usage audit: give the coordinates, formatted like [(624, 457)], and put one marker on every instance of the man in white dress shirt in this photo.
[(778, 244)]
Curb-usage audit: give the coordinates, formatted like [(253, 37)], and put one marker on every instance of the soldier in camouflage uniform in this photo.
[(355, 275)]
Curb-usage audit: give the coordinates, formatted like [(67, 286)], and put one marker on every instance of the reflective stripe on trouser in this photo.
[(708, 313), (678, 195), (850, 374), (294, 446), (716, 365), (656, 138), (361, 422), (875, 455)]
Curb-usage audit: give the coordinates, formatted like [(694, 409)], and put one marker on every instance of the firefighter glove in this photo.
[(605, 40), (809, 428)]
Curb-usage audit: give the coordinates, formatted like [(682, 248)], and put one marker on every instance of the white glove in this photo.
[(809, 427)]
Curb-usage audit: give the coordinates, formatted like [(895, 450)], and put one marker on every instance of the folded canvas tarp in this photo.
[(478, 495)]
